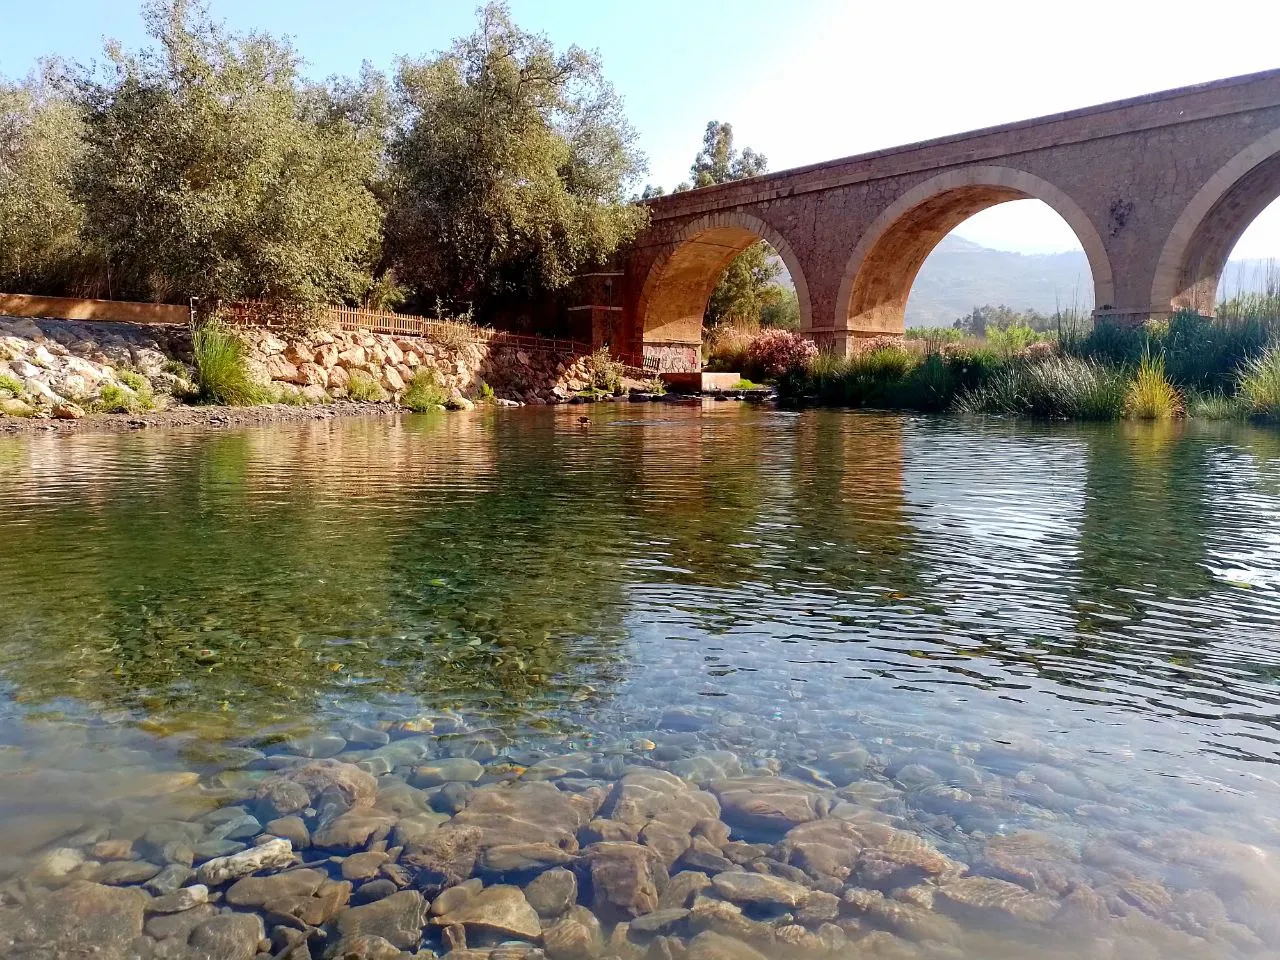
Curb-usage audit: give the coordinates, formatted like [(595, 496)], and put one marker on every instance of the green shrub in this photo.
[(1259, 385), (654, 385), (222, 371), (364, 389), (134, 381), (745, 384), (424, 392), (604, 372), (11, 384), (486, 395), (1011, 340), (1150, 395), (1119, 344), (117, 398), (290, 397), (1056, 387)]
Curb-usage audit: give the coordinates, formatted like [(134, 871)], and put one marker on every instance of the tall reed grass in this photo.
[(222, 372)]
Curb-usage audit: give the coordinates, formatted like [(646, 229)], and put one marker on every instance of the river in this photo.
[(956, 688)]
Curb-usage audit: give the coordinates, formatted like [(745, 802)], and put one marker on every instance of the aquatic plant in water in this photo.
[(1150, 395), (1058, 387), (1259, 385)]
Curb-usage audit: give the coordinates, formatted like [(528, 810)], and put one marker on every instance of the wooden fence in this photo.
[(254, 313)]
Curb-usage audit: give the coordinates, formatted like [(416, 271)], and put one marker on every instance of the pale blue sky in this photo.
[(802, 81)]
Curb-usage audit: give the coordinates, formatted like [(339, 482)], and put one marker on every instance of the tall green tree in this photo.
[(720, 162), (511, 166), (749, 289), (212, 170), (41, 245)]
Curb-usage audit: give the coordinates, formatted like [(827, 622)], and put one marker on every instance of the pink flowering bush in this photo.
[(774, 352)]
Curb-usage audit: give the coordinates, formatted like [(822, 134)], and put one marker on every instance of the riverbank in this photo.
[(178, 417)]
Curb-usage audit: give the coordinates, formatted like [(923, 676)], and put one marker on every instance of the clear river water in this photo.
[(957, 689)]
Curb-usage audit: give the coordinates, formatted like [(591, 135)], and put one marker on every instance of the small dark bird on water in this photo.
[(584, 421)]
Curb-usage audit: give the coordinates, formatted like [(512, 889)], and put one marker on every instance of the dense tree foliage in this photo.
[(206, 164), (510, 165), (211, 170), (40, 221)]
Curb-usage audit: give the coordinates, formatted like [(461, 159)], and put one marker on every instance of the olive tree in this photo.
[(511, 164), (41, 248), (210, 169)]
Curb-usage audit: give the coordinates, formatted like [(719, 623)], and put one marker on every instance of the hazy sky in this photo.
[(802, 81)]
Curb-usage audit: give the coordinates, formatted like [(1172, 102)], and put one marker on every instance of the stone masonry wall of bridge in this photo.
[(1157, 189)]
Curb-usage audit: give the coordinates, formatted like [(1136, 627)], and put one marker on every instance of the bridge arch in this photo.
[(678, 286), (883, 266), (1207, 230)]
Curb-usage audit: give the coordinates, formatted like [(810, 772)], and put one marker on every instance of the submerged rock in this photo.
[(398, 919), (81, 919), (988, 899), (774, 804), (229, 936), (502, 909), (576, 937), (551, 893), (759, 888), (271, 855), (624, 879)]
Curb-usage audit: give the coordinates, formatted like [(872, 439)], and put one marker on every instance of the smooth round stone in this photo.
[(454, 770), (660, 921), (317, 746)]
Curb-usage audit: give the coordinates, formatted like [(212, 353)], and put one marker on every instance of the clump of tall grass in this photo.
[(424, 393), (1150, 395), (364, 389), (221, 367), (10, 385), (1259, 385), (1215, 405), (726, 348), (1056, 387)]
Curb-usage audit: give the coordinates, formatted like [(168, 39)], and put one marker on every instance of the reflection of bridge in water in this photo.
[(1157, 189)]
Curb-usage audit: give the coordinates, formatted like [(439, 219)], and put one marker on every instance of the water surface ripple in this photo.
[(966, 631)]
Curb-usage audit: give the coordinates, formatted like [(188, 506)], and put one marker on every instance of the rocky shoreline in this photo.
[(210, 417)]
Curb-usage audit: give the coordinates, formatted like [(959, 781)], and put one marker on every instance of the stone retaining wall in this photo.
[(322, 364), (64, 365)]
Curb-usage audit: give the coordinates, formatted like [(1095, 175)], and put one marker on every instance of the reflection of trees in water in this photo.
[(244, 579), (852, 524)]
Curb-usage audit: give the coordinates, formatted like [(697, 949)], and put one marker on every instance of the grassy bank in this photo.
[(1226, 367)]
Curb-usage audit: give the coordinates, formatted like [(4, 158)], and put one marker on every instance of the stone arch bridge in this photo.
[(1158, 189)]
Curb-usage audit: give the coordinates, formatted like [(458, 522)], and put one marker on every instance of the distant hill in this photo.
[(960, 275)]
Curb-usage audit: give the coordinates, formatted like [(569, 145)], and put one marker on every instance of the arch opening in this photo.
[(887, 260), (679, 287), (1195, 255)]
